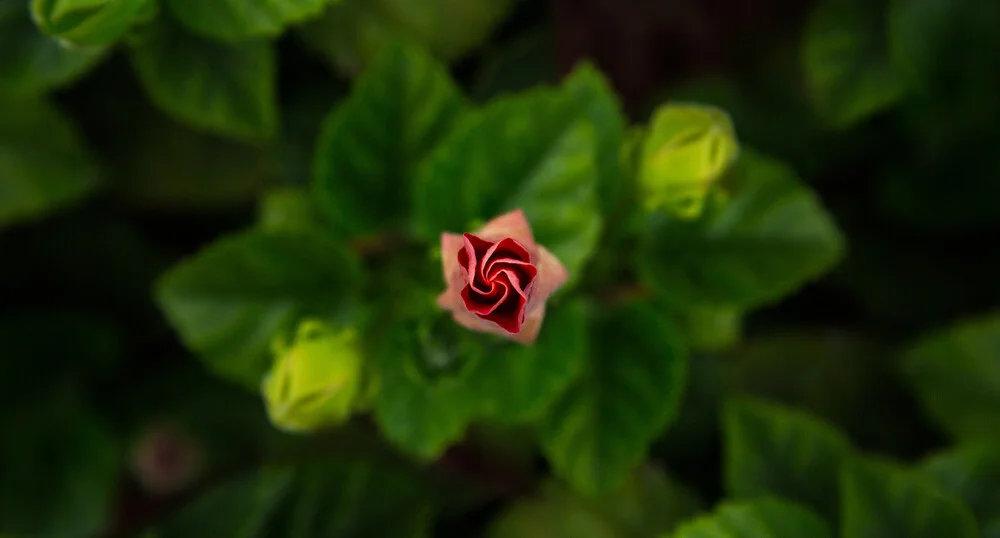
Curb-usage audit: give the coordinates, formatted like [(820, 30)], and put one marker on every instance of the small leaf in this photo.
[(971, 472), (758, 518), (956, 374), (779, 451), (85, 23), (846, 61), (371, 144), (33, 62), (230, 299), (771, 237), (44, 166), (600, 429), (226, 88), (237, 20), (532, 152), (881, 500)]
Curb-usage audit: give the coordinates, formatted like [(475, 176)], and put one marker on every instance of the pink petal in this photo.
[(512, 224), (531, 327), (450, 245), (551, 276)]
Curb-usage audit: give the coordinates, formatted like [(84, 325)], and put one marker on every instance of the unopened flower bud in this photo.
[(687, 149), (317, 379), (165, 460)]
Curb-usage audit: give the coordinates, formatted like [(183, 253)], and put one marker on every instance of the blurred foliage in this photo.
[(220, 251)]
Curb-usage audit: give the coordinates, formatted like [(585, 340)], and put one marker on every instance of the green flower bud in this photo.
[(688, 148), (317, 380)]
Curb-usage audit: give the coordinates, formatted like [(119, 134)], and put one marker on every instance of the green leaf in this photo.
[(433, 386), (598, 103), (516, 64), (230, 299), (225, 88), (43, 166), (371, 144), (289, 208), (33, 62), (532, 152), (600, 429), (846, 61), (881, 500), (758, 518), (991, 529), (88, 22), (956, 375), (971, 472), (779, 451), (237, 20), (66, 472), (770, 238), (350, 34)]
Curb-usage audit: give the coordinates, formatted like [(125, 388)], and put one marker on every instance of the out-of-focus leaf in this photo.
[(972, 472), (225, 88), (230, 299), (291, 209), (956, 374), (371, 144), (33, 62), (630, 388), (771, 236), (881, 500), (350, 34), (43, 165), (83, 23), (516, 65), (758, 518), (533, 152), (846, 61), (62, 468), (779, 451), (237, 20)]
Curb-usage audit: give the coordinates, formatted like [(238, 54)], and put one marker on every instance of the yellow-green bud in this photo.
[(688, 147), (317, 379)]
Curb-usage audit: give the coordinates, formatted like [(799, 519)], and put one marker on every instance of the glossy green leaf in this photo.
[(533, 152), (228, 301), (33, 62), (846, 61), (83, 23), (226, 88), (371, 144), (630, 388), (66, 472), (956, 375), (434, 383), (350, 34), (758, 518), (237, 20), (972, 472), (882, 500), (769, 236), (780, 451), (43, 164)]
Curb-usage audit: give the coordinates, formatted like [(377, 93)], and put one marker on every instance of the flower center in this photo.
[(499, 277)]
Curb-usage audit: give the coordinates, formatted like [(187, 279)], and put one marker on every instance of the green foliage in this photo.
[(236, 20), (89, 22), (760, 518)]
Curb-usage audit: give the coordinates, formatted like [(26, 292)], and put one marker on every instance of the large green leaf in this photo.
[(33, 62), (882, 500), (600, 429), (971, 472), (534, 152), (352, 33), (62, 469), (371, 144), (956, 374), (230, 299), (83, 23), (43, 166), (769, 238), (846, 61), (237, 20), (758, 518), (774, 450), (227, 88), (433, 386)]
